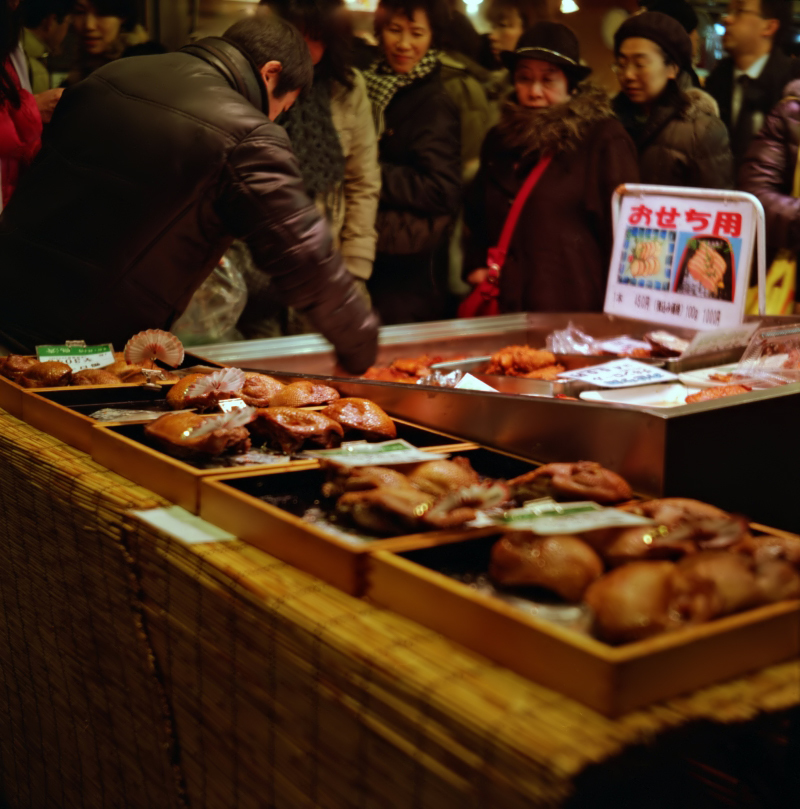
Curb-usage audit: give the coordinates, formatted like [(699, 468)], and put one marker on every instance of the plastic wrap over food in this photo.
[(772, 358), (442, 379), (572, 341)]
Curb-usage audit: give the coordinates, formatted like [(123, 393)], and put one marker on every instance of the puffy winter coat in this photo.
[(683, 141), (768, 171), (559, 254), (150, 167)]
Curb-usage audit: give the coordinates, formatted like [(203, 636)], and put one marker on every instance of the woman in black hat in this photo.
[(558, 255), (676, 127)]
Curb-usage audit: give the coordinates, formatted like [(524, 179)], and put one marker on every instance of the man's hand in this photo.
[(477, 276), (46, 102)]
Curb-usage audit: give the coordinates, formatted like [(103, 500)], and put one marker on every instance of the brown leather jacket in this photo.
[(151, 167)]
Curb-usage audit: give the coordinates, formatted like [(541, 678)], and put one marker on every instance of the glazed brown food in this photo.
[(95, 376), (385, 510), (717, 393), (174, 432), (288, 429), (564, 564), (259, 389), (442, 476), (408, 369), (581, 480), (634, 602), (524, 361), (14, 365), (197, 390), (304, 393), (50, 374), (361, 417), (360, 478)]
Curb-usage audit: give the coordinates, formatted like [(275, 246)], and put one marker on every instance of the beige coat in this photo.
[(354, 205)]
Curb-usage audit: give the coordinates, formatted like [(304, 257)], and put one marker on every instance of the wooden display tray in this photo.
[(232, 503), (610, 679), (11, 396), (123, 448), (63, 412)]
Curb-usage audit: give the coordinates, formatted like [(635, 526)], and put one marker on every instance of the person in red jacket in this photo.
[(20, 121)]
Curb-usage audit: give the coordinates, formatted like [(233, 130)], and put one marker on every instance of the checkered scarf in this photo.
[(383, 83)]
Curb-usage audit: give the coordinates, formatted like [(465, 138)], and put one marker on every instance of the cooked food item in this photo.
[(189, 435), (14, 365), (154, 344), (581, 480), (634, 602), (50, 374), (304, 394), (442, 476), (707, 267), (408, 369), (259, 389), (672, 511), (767, 548), (362, 418), (95, 376), (359, 478), (717, 393), (206, 391), (524, 361), (722, 377), (666, 344), (385, 510), (776, 580), (715, 583), (644, 258), (289, 428), (564, 564)]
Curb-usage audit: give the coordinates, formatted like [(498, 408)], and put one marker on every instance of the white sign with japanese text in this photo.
[(682, 260), (624, 373)]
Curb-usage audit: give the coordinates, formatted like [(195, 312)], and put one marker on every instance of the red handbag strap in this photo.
[(518, 204)]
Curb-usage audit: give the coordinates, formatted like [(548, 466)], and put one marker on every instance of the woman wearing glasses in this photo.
[(676, 127)]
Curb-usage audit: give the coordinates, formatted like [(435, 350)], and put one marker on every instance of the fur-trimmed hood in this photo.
[(556, 129)]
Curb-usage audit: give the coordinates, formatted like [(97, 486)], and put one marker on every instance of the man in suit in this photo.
[(748, 83)]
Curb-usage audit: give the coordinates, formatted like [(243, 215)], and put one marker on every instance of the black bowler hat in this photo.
[(549, 42)]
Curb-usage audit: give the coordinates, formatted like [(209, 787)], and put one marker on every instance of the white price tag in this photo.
[(470, 382), (227, 405), (547, 518), (386, 453), (624, 373), (78, 357)]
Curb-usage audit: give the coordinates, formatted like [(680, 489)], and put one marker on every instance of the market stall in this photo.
[(140, 669)]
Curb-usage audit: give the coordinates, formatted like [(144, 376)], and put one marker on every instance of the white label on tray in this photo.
[(180, 524), (470, 382), (623, 345), (396, 451), (708, 342), (227, 405), (546, 518), (78, 357), (624, 373)]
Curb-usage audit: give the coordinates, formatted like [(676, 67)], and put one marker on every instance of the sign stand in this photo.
[(682, 256)]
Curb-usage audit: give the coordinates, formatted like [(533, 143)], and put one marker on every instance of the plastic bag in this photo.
[(772, 358), (572, 341), (216, 305)]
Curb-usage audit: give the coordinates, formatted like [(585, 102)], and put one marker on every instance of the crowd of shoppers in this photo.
[(406, 156)]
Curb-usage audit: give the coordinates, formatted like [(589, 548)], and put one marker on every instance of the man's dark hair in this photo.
[(437, 11), (271, 38), (328, 22), (780, 10), (35, 12), (530, 11)]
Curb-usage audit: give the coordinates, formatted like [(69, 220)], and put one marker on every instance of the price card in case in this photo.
[(624, 373), (385, 453), (546, 517), (78, 357)]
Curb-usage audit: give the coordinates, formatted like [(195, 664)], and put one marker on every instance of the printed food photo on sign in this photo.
[(647, 256), (707, 267)]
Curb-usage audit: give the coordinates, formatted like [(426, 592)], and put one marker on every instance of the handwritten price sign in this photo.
[(625, 373)]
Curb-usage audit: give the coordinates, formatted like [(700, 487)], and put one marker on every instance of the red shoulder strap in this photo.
[(497, 255)]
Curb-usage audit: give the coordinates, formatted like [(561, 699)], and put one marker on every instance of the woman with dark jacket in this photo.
[(768, 168), (559, 254), (676, 127), (419, 151)]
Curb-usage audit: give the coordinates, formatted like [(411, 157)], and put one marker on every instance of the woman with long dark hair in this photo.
[(20, 121)]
